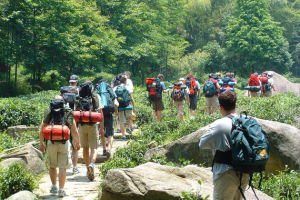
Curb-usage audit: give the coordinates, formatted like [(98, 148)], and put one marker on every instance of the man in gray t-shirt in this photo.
[(226, 180)]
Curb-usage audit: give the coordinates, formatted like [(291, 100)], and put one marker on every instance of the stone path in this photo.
[(78, 186)]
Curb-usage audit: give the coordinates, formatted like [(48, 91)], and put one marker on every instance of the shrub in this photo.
[(7, 142), (192, 195), (283, 186), (15, 179)]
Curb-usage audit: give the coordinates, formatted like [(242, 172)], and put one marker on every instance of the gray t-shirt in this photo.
[(218, 138)]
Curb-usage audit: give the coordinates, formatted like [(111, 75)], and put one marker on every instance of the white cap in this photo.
[(181, 79), (270, 73)]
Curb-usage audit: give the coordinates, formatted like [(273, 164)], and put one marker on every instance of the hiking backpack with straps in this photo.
[(154, 89), (190, 82), (69, 94), (107, 96), (264, 79), (178, 92), (56, 130), (88, 100), (249, 148), (123, 96), (209, 89), (254, 83)]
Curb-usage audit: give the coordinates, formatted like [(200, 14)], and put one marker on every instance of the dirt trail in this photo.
[(78, 186)]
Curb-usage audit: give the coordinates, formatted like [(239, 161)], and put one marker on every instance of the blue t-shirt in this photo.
[(197, 84), (163, 85)]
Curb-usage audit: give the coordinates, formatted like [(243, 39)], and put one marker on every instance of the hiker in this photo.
[(242, 148), (226, 181), (126, 105), (114, 83), (191, 83), (155, 88), (88, 131), (232, 75), (110, 105), (211, 89), (267, 84), (57, 150), (179, 93), (130, 88), (218, 76), (254, 85), (227, 83), (69, 94)]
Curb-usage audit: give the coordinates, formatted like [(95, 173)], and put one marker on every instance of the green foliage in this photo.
[(15, 179), (254, 40), (192, 195), (283, 186), (7, 142)]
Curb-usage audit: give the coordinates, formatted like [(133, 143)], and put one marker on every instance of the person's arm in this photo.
[(75, 135), (101, 130), (132, 102), (188, 100), (218, 87), (199, 93), (42, 145), (208, 140)]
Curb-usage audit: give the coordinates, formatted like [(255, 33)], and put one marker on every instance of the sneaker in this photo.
[(61, 193), (75, 170), (108, 154), (118, 130), (104, 152), (123, 137), (91, 175), (53, 189), (129, 131)]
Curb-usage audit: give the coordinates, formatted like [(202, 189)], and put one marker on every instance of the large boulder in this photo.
[(23, 195), (29, 156), (16, 131), (284, 147), (154, 181)]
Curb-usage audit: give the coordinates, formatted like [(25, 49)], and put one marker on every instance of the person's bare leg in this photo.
[(122, 128), (74, 157), (130, 122), (86, 156), (62, 178), (213, 109), (103, 142), (93, 156), (192, 113), (158, 115), (53, 175), (110, 140), (208, 110)]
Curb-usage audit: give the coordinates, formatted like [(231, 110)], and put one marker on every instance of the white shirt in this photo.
[(129, 86), (271, 81)]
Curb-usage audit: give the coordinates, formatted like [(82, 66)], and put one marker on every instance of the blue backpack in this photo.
[(107, 96)]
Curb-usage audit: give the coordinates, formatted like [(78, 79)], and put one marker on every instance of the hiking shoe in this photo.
[(118, 131), (104, 152), (53, 189), (134, 126), (75, 170), (61, 193), (91, 174), (108, 154), (123, 137), (129, 131)]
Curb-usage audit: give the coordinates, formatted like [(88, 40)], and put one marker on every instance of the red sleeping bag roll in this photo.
[(87, 116), (59, 132)]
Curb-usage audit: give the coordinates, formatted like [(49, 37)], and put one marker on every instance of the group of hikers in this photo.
[(77, 117), (81, 113)]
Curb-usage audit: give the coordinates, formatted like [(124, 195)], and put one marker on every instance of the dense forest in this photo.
[(43, 42)]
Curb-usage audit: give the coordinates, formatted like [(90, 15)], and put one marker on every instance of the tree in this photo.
[(255, 42)]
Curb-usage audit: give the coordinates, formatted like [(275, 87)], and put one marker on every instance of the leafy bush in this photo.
[(283, 186), (15, 179), (192, 195), (7, 142)]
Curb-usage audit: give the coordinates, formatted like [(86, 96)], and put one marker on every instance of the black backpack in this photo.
[(88, 100), (69, 94), (57, 111), (226, 80)]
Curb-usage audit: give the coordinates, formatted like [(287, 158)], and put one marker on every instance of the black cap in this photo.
[(73, 78)]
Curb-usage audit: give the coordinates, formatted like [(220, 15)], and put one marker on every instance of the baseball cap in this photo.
[(181, 79), (73, 78)]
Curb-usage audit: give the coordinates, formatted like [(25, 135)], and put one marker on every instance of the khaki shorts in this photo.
[(226, 186), (212, 102), (88, 135), (254, 94), (180, 107), (124, 116), (266, 94), (58, 155)]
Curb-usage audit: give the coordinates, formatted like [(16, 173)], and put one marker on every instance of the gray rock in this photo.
[(23, 195), (284, 147), (152, 145), (154, 181), (16, 131), (31, 158)]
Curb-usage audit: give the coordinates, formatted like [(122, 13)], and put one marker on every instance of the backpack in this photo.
[(264, 79), (209, 89), (123, 96), (249, 148), (226, 81), (69, 94), (254, 81), (154, 89), (191, 83), (178, 92), (57, 111), (88, 101), (107, 96)]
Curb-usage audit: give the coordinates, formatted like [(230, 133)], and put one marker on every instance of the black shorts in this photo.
[(193, 102), (158, 105), (108, 125)]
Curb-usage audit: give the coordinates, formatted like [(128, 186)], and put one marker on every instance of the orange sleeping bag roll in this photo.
[(87, 116), (58, 132)]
